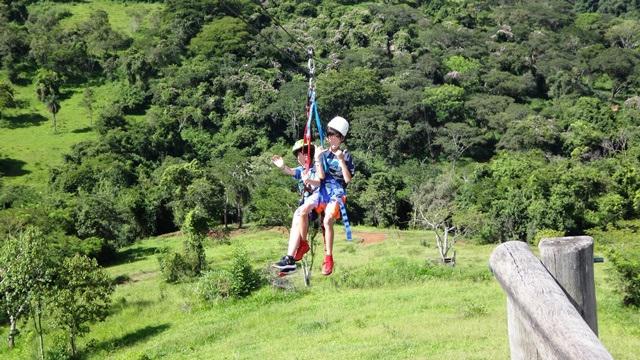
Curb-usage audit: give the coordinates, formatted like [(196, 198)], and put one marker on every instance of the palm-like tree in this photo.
[(48, 90)]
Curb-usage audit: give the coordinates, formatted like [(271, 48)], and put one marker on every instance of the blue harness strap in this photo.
[(345, 219), (333, 191), (318, 124)]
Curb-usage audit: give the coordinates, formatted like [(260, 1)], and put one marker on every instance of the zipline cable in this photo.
[(295, 40), (258, 32)]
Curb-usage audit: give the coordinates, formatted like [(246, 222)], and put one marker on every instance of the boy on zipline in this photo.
[(308, 186), (335, 168)]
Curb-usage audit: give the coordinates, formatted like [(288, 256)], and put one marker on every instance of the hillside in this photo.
[(491, 121), (380, 304), (29, 146)]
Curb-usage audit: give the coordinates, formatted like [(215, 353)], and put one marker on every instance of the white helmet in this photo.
[(339, 124)]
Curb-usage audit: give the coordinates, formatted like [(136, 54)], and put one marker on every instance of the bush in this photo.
[(243, 278), (237, 281), (173, 267), (626, 261), (214, 285), (546, 233), (194, 227)]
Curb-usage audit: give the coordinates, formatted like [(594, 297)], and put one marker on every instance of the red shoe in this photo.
[(302, 249), (327, 265)]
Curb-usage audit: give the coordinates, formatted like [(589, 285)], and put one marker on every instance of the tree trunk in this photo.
[(12, 332), (239, 211), (226, 210), (37, 324), (72, 338), (55, 123)]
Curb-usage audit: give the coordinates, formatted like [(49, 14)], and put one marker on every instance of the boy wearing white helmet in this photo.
[(336, 167), (308, 185)]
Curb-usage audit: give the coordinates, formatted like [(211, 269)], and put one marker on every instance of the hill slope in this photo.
[(380, 303)]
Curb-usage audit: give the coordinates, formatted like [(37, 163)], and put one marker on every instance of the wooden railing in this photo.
[(550, 303)]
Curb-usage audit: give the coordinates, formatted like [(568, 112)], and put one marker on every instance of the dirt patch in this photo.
[(144, 275), (370, 237)]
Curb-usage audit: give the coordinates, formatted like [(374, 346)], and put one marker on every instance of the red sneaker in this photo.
[(327, 265), (302, 249)]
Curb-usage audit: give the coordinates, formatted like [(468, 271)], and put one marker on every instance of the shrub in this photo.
[(243, 278), (194, 227), (173, 266), (236, 281), (626, 261), (546, 233), (214, 285)]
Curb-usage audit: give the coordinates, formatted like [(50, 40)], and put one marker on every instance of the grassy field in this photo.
[(124, 17), (372, 307), (29, 145)]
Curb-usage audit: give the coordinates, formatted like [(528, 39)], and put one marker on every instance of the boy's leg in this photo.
[(329, 219), (287, 264), (303, 211), (299, 227), (294, 234)]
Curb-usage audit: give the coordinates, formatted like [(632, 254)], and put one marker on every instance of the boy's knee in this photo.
[(328, 220), (302, 211)]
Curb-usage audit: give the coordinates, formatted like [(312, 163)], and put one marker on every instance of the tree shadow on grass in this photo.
[(82, 130), (127, 339), (131, 255), (21, 121), (12, 167)]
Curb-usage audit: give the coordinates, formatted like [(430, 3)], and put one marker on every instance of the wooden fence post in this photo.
[(570, 261), (544, 312)]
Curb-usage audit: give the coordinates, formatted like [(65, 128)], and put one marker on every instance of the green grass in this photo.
[(440, 314), (124, 17), (29, 145)]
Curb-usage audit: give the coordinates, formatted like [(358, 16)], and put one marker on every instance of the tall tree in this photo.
[(82, 295), (48, 85), (25, 268)]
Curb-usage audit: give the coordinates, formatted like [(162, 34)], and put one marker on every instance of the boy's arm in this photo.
[(313, 182), (279, 163), (346, 171), (318, 163)]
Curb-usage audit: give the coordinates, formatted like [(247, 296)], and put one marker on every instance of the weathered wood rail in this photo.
[(548, 301)]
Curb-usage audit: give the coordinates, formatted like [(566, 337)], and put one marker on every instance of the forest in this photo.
[(501, 119)]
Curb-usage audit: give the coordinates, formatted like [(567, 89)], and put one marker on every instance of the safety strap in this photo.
[(333, 191), (345, 219)]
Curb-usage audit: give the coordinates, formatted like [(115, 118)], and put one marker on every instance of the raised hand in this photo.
[(319, 151), (277, 161)]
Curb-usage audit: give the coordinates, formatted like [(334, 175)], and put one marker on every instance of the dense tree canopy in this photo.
[(526, 103)]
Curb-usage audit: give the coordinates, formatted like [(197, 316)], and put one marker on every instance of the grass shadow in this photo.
[(82, 130), (127, 339), (12, 167), (132, 254), (22, 120)]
